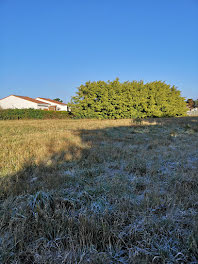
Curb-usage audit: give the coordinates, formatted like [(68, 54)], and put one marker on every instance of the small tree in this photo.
[(190, 103), (58, 100), (196, 103)]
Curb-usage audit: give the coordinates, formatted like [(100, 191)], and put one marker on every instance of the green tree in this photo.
[(191, 103), (58, 100), (114, 100), (196, 103)]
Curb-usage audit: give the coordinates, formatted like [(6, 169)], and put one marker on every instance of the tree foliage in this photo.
[(6, 114), (191, 103), (113, 100), (58, 100), (196, 103)]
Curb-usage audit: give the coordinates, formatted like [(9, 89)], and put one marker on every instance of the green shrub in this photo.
[(114, 100), (9, 114)]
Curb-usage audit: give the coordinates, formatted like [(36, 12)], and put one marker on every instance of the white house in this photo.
[(54, 104), (21, 102), (193, 112)]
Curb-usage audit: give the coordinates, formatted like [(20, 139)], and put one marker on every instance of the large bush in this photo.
[(112, 100), (32, 114)]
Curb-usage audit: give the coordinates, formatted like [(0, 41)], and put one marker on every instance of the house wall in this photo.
[(59, 107), (12, 102), (16, 102), (42, 107), (193, 112)]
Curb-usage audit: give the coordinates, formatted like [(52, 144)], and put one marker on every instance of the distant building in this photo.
[(23, 102), (58, 106), (193, 112)]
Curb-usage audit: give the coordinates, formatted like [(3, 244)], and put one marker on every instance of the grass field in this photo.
[(88, 191)]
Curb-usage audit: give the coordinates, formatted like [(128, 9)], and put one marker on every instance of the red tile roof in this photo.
[(30, 99), (52, 101)]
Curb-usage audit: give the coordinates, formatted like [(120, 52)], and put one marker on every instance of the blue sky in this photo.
[(50, 47)]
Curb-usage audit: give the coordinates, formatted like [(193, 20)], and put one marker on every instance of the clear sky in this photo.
[(50, 47)]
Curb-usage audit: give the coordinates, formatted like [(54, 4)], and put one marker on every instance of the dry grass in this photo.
[(87, 191)]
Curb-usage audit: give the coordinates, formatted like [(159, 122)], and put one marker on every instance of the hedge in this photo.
[(114, 100), (11, 114)]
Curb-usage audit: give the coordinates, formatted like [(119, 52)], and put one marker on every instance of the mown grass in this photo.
[(88, 191)]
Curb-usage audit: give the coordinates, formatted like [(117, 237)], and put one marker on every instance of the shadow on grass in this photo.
[(172, 120), (46, 176), (42, 228)]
